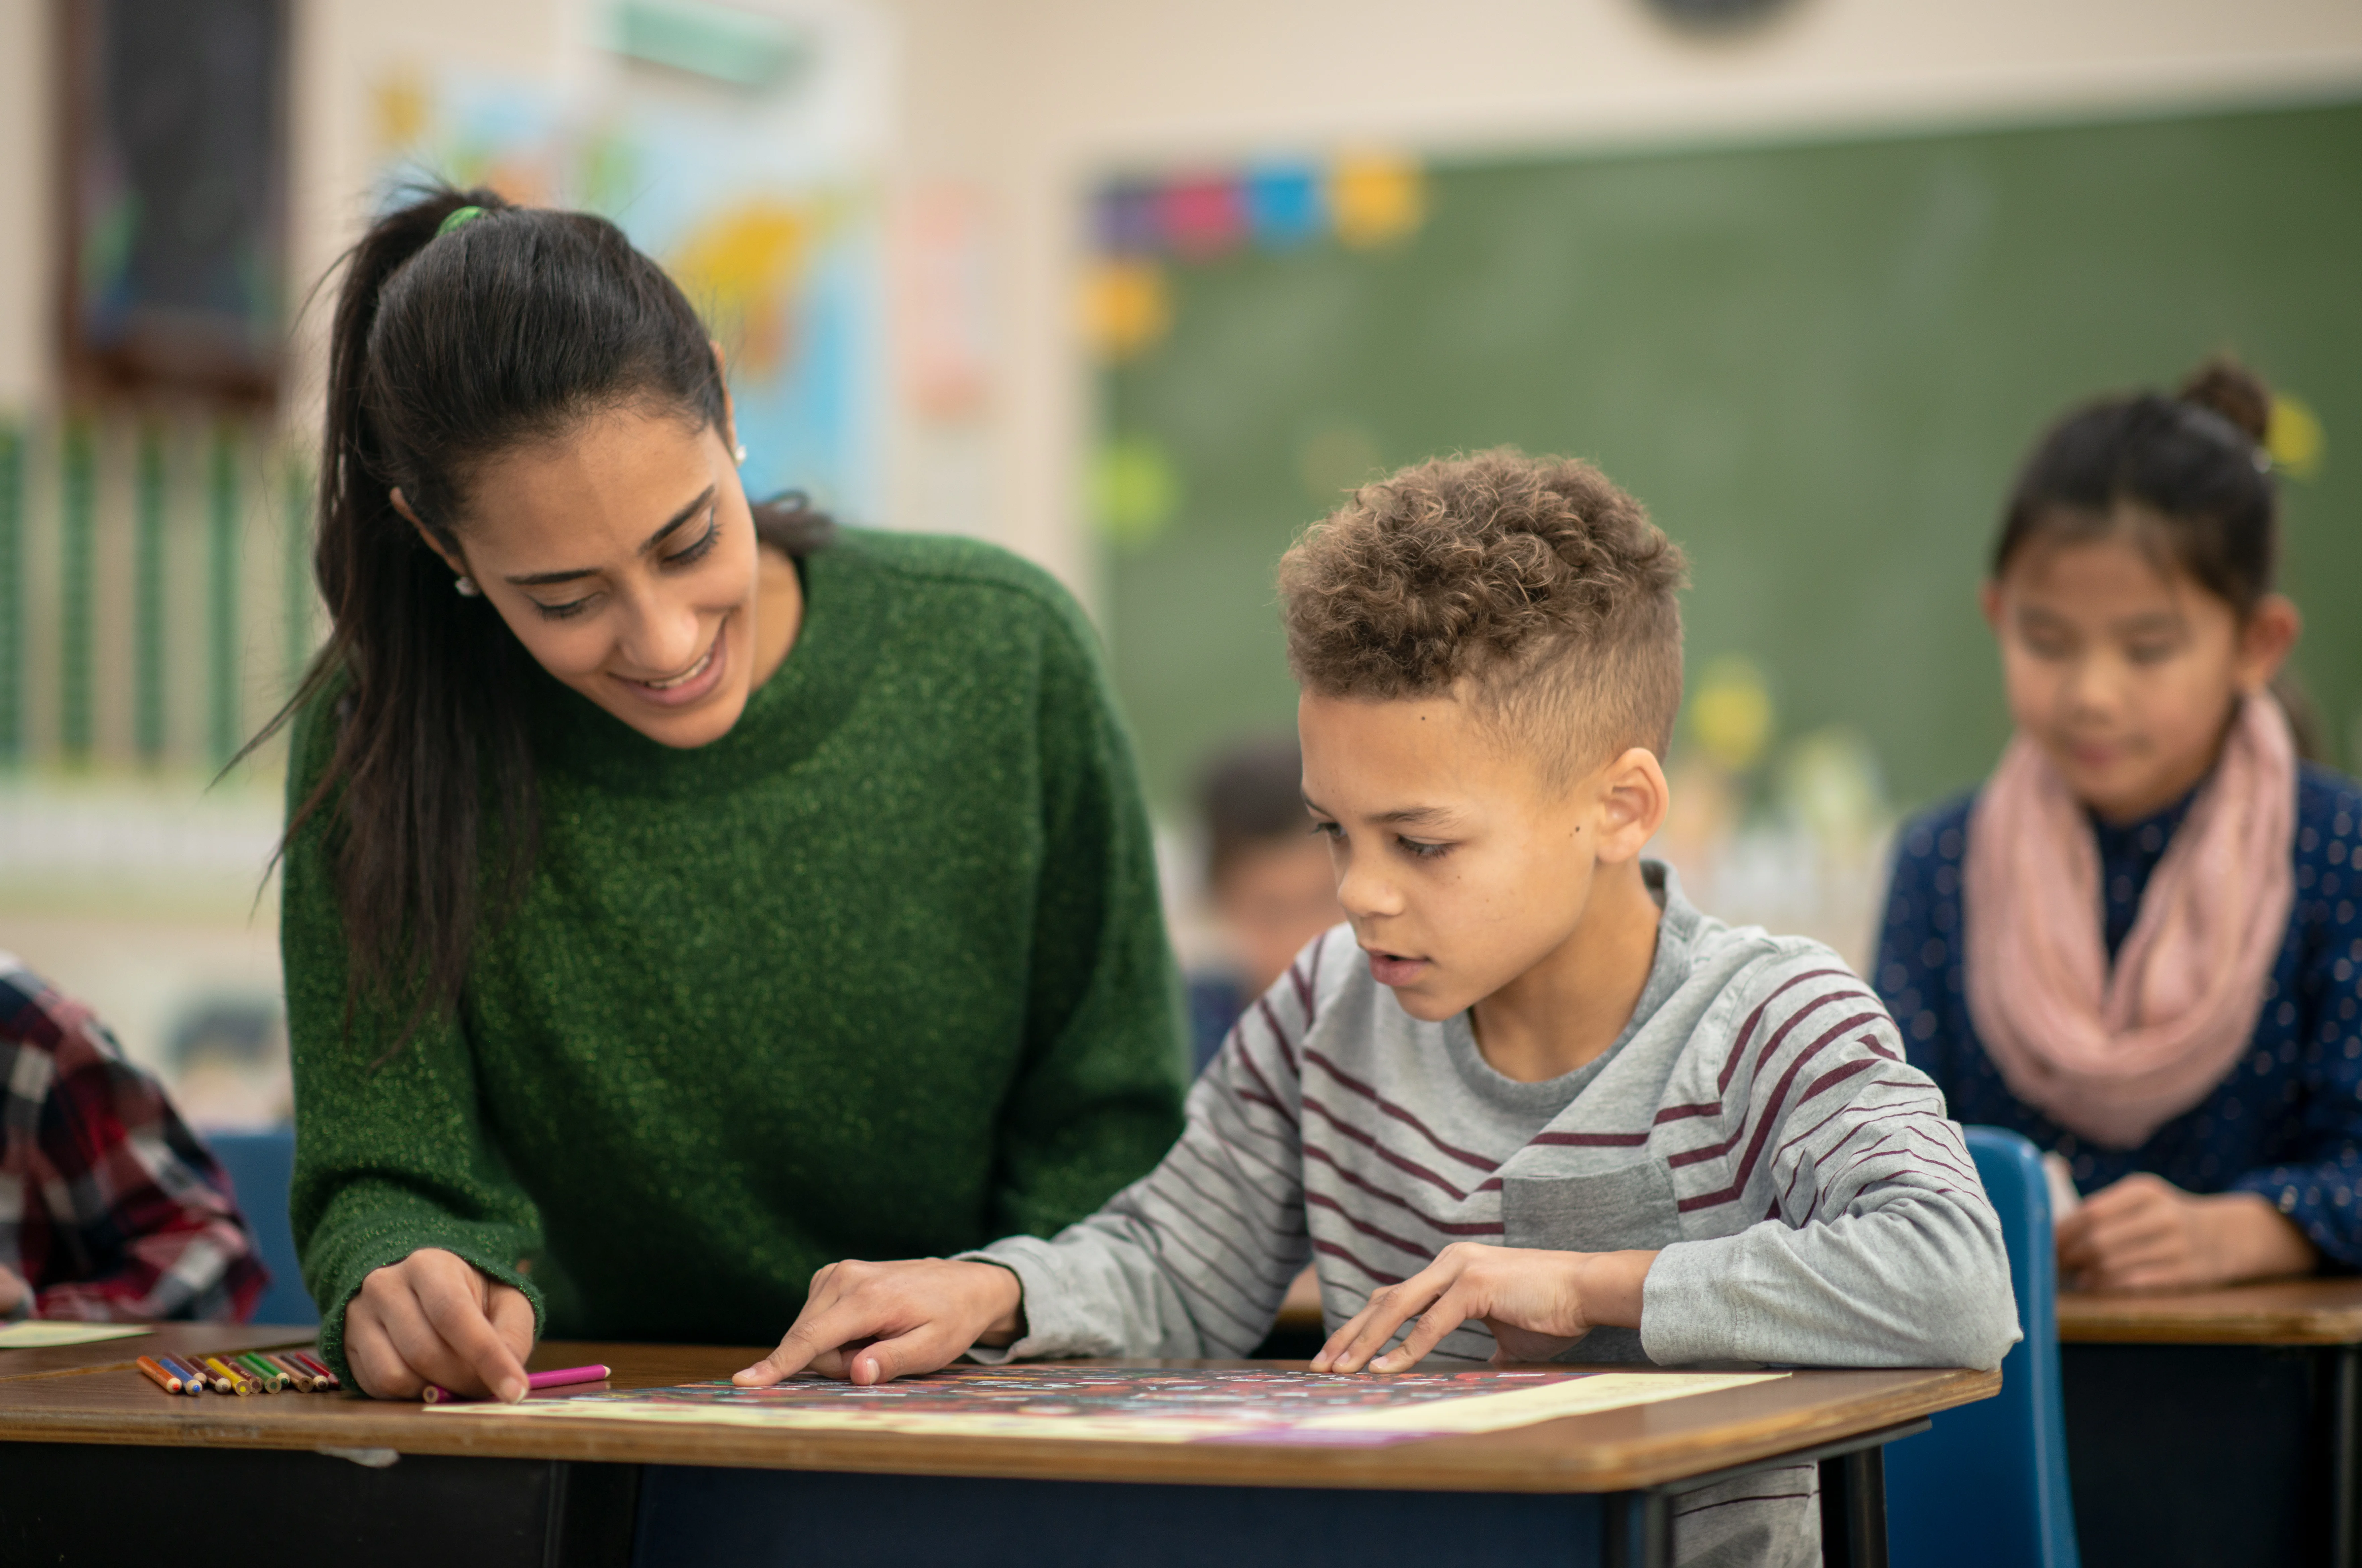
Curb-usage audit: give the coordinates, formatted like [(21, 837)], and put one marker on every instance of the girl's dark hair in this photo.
[(2193, 465), (447, 350), (2190, 474)]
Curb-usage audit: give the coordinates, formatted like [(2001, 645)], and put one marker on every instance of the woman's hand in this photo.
[(13, 1292), (433, 1318), (2145, 1233), (1537, 1304), (868, 1321)]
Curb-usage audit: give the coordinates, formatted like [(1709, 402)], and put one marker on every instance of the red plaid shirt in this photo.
[(109, 1206)]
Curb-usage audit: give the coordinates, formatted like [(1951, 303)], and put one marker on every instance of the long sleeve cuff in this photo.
[(1053, 1326)]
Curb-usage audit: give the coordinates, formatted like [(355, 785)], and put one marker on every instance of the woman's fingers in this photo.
[(456, 1308), (424, 1319), (376, 1366)]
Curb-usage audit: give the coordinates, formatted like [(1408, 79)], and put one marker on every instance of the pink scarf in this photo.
[(2114, 1054)]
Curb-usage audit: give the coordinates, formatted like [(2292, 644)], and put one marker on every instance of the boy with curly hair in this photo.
[(1528, 1102)]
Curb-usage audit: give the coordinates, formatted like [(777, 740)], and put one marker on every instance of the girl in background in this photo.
[(2137, 944)]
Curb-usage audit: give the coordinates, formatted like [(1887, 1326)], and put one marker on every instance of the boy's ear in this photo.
[(2267, 640), (1989, 602), (1633, 799)]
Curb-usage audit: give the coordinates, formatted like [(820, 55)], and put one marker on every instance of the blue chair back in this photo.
[(1988, 1483), (261, 1169)]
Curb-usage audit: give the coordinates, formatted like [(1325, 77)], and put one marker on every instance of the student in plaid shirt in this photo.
[(109, 1206)]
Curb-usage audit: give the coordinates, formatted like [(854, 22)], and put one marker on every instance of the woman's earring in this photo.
[(467, 589), (741, 453)]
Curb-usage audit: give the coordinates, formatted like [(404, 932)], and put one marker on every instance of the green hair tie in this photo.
[(458, 215)]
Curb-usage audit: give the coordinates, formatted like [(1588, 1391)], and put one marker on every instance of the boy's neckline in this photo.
[(1667, 965)]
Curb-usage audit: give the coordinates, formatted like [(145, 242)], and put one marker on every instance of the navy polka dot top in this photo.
[(2286, 1122)]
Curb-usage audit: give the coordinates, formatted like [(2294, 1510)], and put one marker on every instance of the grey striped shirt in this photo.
[(1756, 1121)]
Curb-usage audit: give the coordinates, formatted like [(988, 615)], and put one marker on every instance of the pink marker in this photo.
[(556, 1377)]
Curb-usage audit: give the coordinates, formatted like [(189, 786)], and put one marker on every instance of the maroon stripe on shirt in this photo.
[(1592, 1140), (1303, 989), (1764, 1124), (1331, 1249), (1390, 1109), (1407, 1166), (1287, 1046), (1822, 1190), (1248, 1061), (1716, 1151), (1869, 1042), (1746, 1030), (1788, 1187), (1831, 1079), (1449, 1228), (1323, 1201)]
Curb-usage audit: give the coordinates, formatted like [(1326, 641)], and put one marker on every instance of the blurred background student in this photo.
[(110, 1208), (1270, 887), (2136, 942)]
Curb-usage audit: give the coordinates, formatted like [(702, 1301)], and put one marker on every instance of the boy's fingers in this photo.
[(820, 1330), (1425, 1335), (905, 1356), (1346, 1333), (1387, 1312)]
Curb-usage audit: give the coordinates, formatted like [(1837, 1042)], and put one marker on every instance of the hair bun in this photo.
[(2223, 386)]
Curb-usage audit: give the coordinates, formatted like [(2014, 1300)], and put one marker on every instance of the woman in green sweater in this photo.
[(680, 894)]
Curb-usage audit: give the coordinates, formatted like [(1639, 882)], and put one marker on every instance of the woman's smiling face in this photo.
[(622, 556)]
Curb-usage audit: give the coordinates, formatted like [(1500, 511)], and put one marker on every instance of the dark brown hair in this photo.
[(447, 350), (2189, 473), (1535, 580), (2189, 477), (1251, 794)]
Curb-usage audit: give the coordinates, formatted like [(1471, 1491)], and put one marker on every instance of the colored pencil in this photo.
[(273, 1380), (560, 1377), (238, 1384), (319, 1369), (157, 1375), (301, 1379), (192, 1380)]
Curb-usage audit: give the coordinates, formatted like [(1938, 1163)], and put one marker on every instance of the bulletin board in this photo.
[(1818, 364)]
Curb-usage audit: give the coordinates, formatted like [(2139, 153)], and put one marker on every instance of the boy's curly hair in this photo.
[(1531, 586)]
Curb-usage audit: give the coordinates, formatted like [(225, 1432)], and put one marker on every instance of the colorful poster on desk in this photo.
[(1142, 1404)]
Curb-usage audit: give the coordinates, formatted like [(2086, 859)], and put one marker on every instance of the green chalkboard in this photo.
[(1818, 365)]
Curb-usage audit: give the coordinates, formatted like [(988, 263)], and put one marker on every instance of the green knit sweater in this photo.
[(878, 974)]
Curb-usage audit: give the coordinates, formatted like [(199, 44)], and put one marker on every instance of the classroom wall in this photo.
[(1029, 98)]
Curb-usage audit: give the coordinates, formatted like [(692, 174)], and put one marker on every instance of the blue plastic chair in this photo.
[(1988, 1483), (262, 1169)]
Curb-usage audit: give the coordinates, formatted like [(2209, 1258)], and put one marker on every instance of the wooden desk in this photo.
[(569, 1492), (2216, 1426)]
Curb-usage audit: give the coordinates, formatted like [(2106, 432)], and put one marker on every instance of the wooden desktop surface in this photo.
[(105, 1400), (2270, 1312)]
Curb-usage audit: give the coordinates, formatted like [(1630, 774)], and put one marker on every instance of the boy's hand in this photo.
[(1537, 1304), (433, 1318), (2145, 1233), (866, 1322)]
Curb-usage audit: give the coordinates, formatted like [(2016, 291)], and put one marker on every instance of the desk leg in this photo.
[(1853, 1509), (2345, 1370), (1635, 1529)]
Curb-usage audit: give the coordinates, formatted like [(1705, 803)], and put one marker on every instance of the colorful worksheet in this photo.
[(42, 1333), (1141, 1404)]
